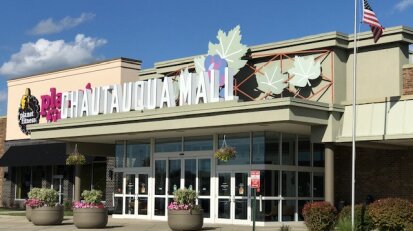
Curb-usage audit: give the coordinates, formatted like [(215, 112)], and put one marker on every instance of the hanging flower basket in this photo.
[(226, 152), (75, 158)]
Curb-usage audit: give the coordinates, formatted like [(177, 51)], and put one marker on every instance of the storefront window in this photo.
[(288, 210), (204, 175), (159, 206), (304, 151), (269, 210), (206, 207), (120, 154), (265, 148), (318, 155), (288, 184), (318, 188), (118, 178), (304, 181), (99, 177), (301, 204), (38, 172), (138, 154), (200, 143), (174, 176), (168, 145), (269, 183), (160, 177), (190, 174), (241, 143), (288, 149), (23, 180)]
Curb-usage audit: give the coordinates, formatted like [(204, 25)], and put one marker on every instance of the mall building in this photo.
[(284, 106)]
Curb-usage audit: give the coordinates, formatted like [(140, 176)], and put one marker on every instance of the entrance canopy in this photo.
[(31, 155), (284, 114)]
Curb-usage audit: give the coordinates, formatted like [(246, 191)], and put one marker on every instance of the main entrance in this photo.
[(233, 197), (173, 173)]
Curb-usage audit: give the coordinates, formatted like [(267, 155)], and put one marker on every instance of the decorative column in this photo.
[(77, 160), (329, 173), (77, 181)]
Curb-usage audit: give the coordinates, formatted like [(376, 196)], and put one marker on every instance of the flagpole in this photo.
[(353, 151)]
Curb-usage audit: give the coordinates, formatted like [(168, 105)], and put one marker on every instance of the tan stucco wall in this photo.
[(379, 72), (99, 74)]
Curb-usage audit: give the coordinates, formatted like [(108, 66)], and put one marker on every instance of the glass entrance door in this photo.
[(174, 173), (233, 197), (131, 198), (142, 198), (57, 185)]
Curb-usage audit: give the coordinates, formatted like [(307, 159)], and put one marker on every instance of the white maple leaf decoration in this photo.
[(229, 48), (199, 64), (272, 80), (304, 69)]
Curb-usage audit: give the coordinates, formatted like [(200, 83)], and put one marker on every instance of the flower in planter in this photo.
[(184, 199), (92, 199), (75, 158), (34, 203), (39, 197), (225, 153)]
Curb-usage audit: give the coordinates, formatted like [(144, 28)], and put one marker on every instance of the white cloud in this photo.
[(48, 26), (3, 96), (46, 55), (404, 4)]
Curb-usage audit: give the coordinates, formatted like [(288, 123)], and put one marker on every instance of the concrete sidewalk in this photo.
[(21, 223)]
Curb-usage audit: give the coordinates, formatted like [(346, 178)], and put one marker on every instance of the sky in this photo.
[(38, 36)]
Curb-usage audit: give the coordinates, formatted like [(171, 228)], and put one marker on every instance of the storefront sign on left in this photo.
[(29, 111)]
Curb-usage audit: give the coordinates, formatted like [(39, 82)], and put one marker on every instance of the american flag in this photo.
[(369, 17)]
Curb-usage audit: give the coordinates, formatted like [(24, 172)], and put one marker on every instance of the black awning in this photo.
[(35, 155)]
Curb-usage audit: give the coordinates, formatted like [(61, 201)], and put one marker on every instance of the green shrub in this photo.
[(47, 196), (361, 219), (92, 196), (319, 216), (34, 193), (344, 224), (67, 205), (408, 227), (391, 213)]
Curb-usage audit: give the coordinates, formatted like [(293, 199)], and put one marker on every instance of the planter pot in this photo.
[(185, 219), (47, 215), (90, 218), (29, 213)]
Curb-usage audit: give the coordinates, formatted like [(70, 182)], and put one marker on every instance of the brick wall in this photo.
[(408, 79), (2, 149), (380, 173)]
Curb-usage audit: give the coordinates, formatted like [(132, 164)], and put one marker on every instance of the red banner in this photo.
[(255, 179)]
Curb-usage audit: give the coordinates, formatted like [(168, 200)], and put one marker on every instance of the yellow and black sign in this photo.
[(29, 111)]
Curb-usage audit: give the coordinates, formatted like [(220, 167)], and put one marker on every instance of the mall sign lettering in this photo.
[(188, 88)]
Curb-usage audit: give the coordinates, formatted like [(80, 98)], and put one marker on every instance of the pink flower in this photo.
[(34, 203), (176, 206), (82, 205)]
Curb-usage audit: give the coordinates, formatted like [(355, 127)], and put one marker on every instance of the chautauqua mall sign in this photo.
[(212, 81)]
